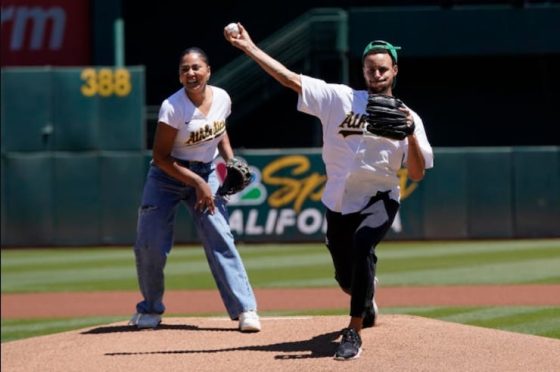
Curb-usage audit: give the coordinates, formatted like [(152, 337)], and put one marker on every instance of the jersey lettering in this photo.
[(352, 124), (207, 133)]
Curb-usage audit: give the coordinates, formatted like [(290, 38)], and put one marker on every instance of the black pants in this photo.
[(351, 240)]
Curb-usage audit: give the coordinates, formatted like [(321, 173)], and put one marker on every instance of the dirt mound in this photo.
[(398, 343)]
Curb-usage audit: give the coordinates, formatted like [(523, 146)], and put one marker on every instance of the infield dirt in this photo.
[(71, 304), (397, 343)]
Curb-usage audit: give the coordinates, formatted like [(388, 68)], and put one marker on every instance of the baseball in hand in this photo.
[(232, 29)]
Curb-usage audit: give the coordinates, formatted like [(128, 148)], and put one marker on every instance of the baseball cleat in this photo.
[(350, 346)]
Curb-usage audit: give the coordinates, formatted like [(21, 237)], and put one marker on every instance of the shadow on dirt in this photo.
[(162, 327), (320, 346)]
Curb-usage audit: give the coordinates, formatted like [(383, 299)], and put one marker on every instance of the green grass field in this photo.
[(299, 265)]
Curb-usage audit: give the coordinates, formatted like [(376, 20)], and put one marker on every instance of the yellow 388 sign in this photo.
[(106, 82)]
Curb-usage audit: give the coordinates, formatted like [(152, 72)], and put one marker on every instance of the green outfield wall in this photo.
[(73, 142), (74, 160), (72, 109)]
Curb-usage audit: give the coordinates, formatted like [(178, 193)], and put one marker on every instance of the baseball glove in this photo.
[(384, 118), (238, 177)]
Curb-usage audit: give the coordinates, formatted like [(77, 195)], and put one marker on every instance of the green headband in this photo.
[(380, 44)]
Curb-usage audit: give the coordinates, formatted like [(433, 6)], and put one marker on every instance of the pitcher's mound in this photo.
[(397, 343)]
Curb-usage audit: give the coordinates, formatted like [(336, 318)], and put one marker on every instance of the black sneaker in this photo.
[(350, 346)]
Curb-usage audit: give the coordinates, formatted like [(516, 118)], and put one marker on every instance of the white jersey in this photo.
[(198, 134), (358, 164)]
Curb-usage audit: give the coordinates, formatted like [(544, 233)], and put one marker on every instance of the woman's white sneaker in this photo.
[(143, 321), (249, 322)]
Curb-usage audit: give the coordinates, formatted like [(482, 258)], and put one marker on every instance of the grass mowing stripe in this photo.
[(40, 257), (53, 259), (487, 314), (280, 249), (496, 273), (390, 249), (20, 329), (541, 321), (316, 282), (27, 280), (63, 265), (41, 325), (274, 265), (433, 312), (401, 250), (310, 275), (22, 280), (477, 315), (287, 262), (537, 321), (553, 279), (447, 261), (178, 276), (526, 315), (54, 256), (470, 244), (542, 327), (537, 327)]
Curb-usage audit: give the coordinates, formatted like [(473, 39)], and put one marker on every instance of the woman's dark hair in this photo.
[(196, 50)]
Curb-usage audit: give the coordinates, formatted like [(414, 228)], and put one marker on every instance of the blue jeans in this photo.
[(155, 235)]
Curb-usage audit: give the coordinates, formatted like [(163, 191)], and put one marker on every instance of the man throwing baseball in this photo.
[(362, 192)]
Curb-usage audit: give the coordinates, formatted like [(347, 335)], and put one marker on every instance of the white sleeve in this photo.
[(316, 97), (222, 100), (168, 115), (425, 147)]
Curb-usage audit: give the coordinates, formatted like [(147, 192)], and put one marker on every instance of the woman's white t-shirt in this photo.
[(198, 134)]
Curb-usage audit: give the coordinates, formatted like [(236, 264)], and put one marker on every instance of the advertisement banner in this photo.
[(45, 32), (283, 203)]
